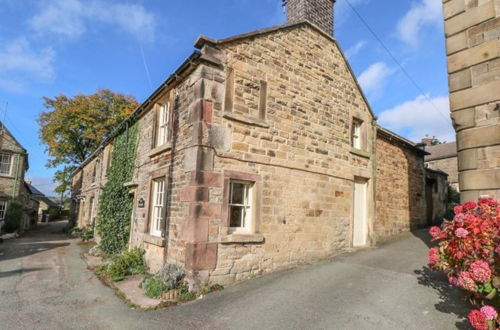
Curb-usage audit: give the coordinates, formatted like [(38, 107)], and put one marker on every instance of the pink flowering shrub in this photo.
[(468, 253)]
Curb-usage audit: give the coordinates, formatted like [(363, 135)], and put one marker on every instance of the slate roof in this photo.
[(441, 151)]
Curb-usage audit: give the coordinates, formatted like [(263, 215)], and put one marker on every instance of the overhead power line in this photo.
[(405, 72)]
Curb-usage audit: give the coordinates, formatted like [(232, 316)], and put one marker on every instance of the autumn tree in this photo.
[(72, 128)]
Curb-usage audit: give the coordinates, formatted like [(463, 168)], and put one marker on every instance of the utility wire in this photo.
[(146, 66), (417, 86)]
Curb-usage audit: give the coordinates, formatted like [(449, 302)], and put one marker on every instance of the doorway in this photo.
[(360, 223)]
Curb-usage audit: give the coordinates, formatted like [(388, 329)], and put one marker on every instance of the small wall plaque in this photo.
[(142, 203)]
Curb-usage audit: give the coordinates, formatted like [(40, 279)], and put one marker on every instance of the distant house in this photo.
[(13, 166), (48, 208), (443, 157)]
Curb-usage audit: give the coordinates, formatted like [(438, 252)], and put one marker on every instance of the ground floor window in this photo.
[(240, 206), (157, 207), (3, 209)]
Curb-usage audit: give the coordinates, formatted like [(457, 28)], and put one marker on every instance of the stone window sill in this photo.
[(155, 240), (158, 150), (242, 239), (7, 176), (246, 120), (361, 153)]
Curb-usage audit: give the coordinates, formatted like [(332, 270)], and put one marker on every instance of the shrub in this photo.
[(153, 287), (468, 253), (171, 275), (87, 234), (13, 217), (127, 263)]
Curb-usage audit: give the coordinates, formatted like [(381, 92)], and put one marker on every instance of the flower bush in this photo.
[(468, 253)]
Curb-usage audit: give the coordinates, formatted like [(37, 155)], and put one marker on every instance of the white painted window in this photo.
[(158, 205), (356, 134), (163, 124), (5, 164), (240, 206), (3, 209)]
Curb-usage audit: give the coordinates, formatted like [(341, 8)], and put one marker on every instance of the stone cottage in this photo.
[(13, 166), (259, 153), (443, 157)]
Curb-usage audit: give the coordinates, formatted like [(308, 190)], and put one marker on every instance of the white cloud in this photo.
[(373, 79), (71, 18), (416, 118), (422, 14), (19, 60), (354, 50)]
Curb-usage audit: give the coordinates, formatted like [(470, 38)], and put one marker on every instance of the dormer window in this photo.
[(163, 124)]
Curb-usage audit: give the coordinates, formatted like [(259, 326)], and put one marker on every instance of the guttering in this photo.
[(193, 59)]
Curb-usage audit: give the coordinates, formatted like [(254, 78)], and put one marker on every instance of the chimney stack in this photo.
[(427, 140), (318, 12)]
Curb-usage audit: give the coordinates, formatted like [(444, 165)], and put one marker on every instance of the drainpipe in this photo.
[(16, 176)]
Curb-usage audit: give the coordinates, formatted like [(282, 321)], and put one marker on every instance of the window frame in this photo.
[(5, 205), (157, 207), (163, 124), (357, 134), (247, 205), (11, 159)]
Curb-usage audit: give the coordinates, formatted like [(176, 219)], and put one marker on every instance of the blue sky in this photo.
[(48, 47)]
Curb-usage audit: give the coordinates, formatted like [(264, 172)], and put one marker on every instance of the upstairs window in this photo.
[(163, 124), (3, 209), (157, 207), (240, 206), (5, 164), (356, 134)]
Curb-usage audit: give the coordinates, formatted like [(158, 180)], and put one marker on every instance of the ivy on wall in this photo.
[(116, 204)]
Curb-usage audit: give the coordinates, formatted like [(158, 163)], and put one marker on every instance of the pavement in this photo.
[(44, 284)]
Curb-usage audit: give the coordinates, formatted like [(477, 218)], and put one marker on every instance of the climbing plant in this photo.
[(115, 207)]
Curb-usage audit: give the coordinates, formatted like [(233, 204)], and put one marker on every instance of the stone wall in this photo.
[(473, 49), (449, 166), (400, 188), (288, 108)]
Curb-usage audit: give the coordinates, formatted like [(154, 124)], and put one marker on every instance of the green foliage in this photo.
[(127, 263), (185, 294), (452, 201), (72, 128), (171, 275), (115, 208), (13, 217), (154, 287), (207, 288), (87, 234)]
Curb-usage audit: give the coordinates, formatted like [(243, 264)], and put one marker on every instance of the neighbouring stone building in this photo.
[(473, 50), (259, 153), (13, 166), (443, 157)]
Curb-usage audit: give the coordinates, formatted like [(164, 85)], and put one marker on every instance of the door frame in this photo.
[(367, 210)]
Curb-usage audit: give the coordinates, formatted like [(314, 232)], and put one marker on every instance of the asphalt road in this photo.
[(44, 284)]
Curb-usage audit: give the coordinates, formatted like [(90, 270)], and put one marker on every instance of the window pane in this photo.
[(237, 193), (236, 215)]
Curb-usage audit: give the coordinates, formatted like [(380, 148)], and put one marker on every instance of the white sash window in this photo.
[(158, 207)]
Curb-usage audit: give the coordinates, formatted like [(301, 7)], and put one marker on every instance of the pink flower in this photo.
[(478, 320), (489, 312), (497, 250), (466, 282), (458, 209), (461, 232), (433, 256), (480, 271), (453, 280), (459, 217), (469, 206), (435, 232)]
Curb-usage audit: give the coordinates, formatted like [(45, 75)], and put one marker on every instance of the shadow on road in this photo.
[(19, 271), (45, 237), (452, 300)]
